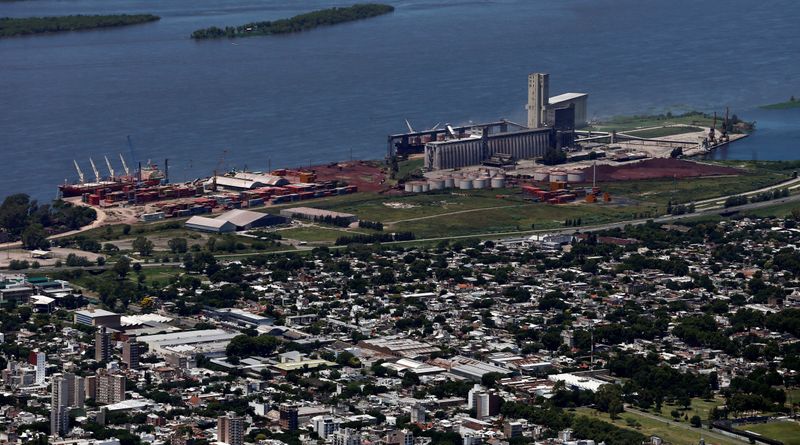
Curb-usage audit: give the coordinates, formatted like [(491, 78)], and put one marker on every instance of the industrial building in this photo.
[(476, 149), (96, 317), (240, 317), (234, 220), (210, 342), (542, 108)]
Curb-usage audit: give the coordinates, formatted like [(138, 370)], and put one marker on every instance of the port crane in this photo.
[(110, 168), (81, 178), (124, 165), (94, 169)]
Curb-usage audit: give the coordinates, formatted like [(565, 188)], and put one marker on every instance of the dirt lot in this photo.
[(368, 176), (658, 168)]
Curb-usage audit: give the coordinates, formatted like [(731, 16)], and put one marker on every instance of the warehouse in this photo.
[(209, 342), (456, 153), (213, 225), (247, 219), (234, 220)]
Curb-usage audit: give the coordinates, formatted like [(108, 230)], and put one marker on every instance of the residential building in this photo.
[(230, 429)]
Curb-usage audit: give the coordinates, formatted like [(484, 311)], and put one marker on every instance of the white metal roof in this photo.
[(565, 97)]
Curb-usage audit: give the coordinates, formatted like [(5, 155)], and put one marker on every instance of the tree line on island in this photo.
[(298, 23), (10, 27)]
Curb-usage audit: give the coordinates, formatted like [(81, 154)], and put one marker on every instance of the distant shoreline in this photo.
[(789, 104), (298, 23), (15, 27)]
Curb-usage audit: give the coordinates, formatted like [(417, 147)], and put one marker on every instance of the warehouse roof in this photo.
[(241, 217), (565, 97), (262, 178)]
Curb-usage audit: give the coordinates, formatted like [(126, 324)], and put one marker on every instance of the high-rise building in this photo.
[(538, 99), (130, 353), (486, 404), (324, 426), (110, 388), (288, 417), (102, 345), (41, 364), (230, 429), (418, 413), (346, 436), (59, 406), (399, 437), (512, 429)]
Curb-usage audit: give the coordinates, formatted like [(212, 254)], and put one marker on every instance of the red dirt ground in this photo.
[(658, 168), (368, 176)]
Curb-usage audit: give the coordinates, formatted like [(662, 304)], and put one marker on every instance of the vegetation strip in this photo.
[(298, 23), (10, 27)]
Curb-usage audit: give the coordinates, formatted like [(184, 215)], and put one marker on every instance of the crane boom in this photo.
[(110, 168), (124, 165), (94, 169), (80, 173)]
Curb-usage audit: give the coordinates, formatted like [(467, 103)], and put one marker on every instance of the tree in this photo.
[(696, 421), (143, 245), (122, 267), (34, 237), (178, 245)]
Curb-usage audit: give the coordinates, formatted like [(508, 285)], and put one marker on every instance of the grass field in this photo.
[(313, 234), (408, 167), (787, 432), (664, 131), (699, 407), (791, 103), (648, 427), (625, 123)]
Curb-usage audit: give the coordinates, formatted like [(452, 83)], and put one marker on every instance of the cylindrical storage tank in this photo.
[(480, 183), (576, 176), (436, 184), (417, 187), (409, 187), (541, 176), (426, 187), (449, 182), (498, 182), (558, 177), (465, 184)]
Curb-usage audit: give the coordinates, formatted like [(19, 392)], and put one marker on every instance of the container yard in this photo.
[(148, 189)]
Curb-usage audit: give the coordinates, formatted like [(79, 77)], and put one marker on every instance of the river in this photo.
[(315, 96)]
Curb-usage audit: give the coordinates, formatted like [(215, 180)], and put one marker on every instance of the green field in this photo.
[(313, 234), (409, 167), (787, 432), (664, 131), (624, 123), (791, 103), (670, 433), (699, 407)]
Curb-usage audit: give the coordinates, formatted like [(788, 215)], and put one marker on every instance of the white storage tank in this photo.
[(426, 187), (480, 183), (465, 184), (417, 187), (498, 182), (436, 184), (558, 176), (449, 182), (409, 187), (541, 175), (576, 176)]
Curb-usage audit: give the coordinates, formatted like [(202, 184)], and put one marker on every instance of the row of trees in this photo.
[(738, 200), (36, 25), (298, 23), (374, 238)]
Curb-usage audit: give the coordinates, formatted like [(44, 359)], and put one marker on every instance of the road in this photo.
[(790, 184), (439, 215), (703, 431)]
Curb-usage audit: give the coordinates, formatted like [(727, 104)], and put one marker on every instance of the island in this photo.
[(791, 103), (298, 23), (11, 27)]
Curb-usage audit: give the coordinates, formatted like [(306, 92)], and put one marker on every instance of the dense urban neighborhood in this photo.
[(658, 333)]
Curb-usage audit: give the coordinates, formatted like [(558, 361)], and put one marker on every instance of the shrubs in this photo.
[(375, 238)]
